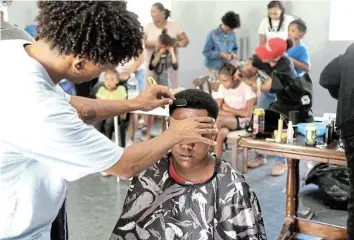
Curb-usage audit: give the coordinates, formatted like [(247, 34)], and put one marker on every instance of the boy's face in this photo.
[(188, 155), (227, 81), (294, 33), (111, 80)]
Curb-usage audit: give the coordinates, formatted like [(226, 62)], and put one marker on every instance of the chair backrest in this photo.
[(202, 83)]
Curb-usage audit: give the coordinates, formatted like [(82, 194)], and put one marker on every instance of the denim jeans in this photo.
[(140, 76), (349, 152), (264, 101)]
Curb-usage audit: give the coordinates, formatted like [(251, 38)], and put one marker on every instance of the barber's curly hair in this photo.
[(102, 31)]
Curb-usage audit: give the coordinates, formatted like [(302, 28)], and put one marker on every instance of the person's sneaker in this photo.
[(129, 142), (279, 169), (257, 162), (103, 174)]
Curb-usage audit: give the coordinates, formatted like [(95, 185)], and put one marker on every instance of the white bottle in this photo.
[(290, 132), (133, 87)]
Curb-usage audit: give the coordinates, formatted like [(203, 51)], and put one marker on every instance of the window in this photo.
[(142, 8), (341, 20)]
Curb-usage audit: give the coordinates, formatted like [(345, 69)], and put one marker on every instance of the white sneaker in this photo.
[(103, 174), (129, 142)]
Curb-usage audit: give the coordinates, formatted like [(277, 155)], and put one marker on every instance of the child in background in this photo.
[(236, 101), (298, 53), (162, 62), (190, 193), (110, 91)]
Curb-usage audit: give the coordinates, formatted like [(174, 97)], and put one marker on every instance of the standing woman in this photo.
[(276, 24), (152, 31)]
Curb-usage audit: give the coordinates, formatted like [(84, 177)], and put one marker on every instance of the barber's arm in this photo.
[(331, 76), (301, 65), (137, 64), (139, 157), (93, 110)]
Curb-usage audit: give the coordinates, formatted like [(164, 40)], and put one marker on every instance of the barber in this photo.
[(53, 145), (338, 77)]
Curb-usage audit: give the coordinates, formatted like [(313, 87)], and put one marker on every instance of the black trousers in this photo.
[(349, 151), (106, 127), (59, 229), (84, 89)]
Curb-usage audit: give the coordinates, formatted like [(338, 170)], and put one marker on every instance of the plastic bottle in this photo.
[(133, 87), (290, 132)]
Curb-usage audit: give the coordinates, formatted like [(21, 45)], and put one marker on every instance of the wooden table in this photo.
[(295, 152)]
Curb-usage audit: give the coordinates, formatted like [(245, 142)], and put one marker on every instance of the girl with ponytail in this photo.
[(276, 24)]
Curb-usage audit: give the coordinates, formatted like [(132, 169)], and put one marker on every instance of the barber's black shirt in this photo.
[(338, 78)]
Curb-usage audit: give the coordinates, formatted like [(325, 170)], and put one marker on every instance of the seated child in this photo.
[(110, 91), (189, 193), (236, 101), (162, 62), (298, 52)]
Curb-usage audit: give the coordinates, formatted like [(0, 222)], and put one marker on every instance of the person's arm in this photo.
[(235, 47), (262, 31), (220, 102), (262, 39), (303, 60), (301, 65), (139, 157), (155, 59), (137, 64), (209, 49), (72, 149), (331, 76), (148, 44), (92, 110), (174, 58), (267, 85), (246, 112), (183, 40)]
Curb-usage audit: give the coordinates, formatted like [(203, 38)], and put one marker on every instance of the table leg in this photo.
[(291, 202), (296, 184), (244, 160)]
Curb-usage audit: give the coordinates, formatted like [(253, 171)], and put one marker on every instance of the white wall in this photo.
[(22, 13), (199, 17)]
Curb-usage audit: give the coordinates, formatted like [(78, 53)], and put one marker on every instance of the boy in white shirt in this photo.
[(235, 100)]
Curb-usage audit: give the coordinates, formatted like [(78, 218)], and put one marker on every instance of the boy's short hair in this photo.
[(196, 99), (300, 24), (228, 69), (231, 19)]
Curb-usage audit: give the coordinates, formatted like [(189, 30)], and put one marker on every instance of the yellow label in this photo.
[(151, 80)]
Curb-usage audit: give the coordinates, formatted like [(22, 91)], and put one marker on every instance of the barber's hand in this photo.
[(226, 107), (154, 96), (191, 130)]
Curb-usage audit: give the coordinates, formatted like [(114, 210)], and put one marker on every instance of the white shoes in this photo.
[(103, 174)]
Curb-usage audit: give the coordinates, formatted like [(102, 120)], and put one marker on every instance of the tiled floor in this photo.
[(94, 203)]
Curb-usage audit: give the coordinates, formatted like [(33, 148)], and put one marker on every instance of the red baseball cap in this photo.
[(273, 48)]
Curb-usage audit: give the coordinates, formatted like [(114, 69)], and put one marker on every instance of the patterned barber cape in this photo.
[(157, 207)]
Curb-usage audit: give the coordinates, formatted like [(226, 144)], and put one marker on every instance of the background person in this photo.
[(152, 31), (276, 24), (221, 45)]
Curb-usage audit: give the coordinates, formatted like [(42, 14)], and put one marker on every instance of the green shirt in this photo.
[(119, 94)]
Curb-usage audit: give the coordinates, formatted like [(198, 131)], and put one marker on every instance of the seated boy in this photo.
[(236, 101), (190, 194)]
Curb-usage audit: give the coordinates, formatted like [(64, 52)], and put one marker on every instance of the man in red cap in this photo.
[(271, 57)]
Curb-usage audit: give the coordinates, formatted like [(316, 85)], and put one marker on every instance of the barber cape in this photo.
[(157, 207)]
